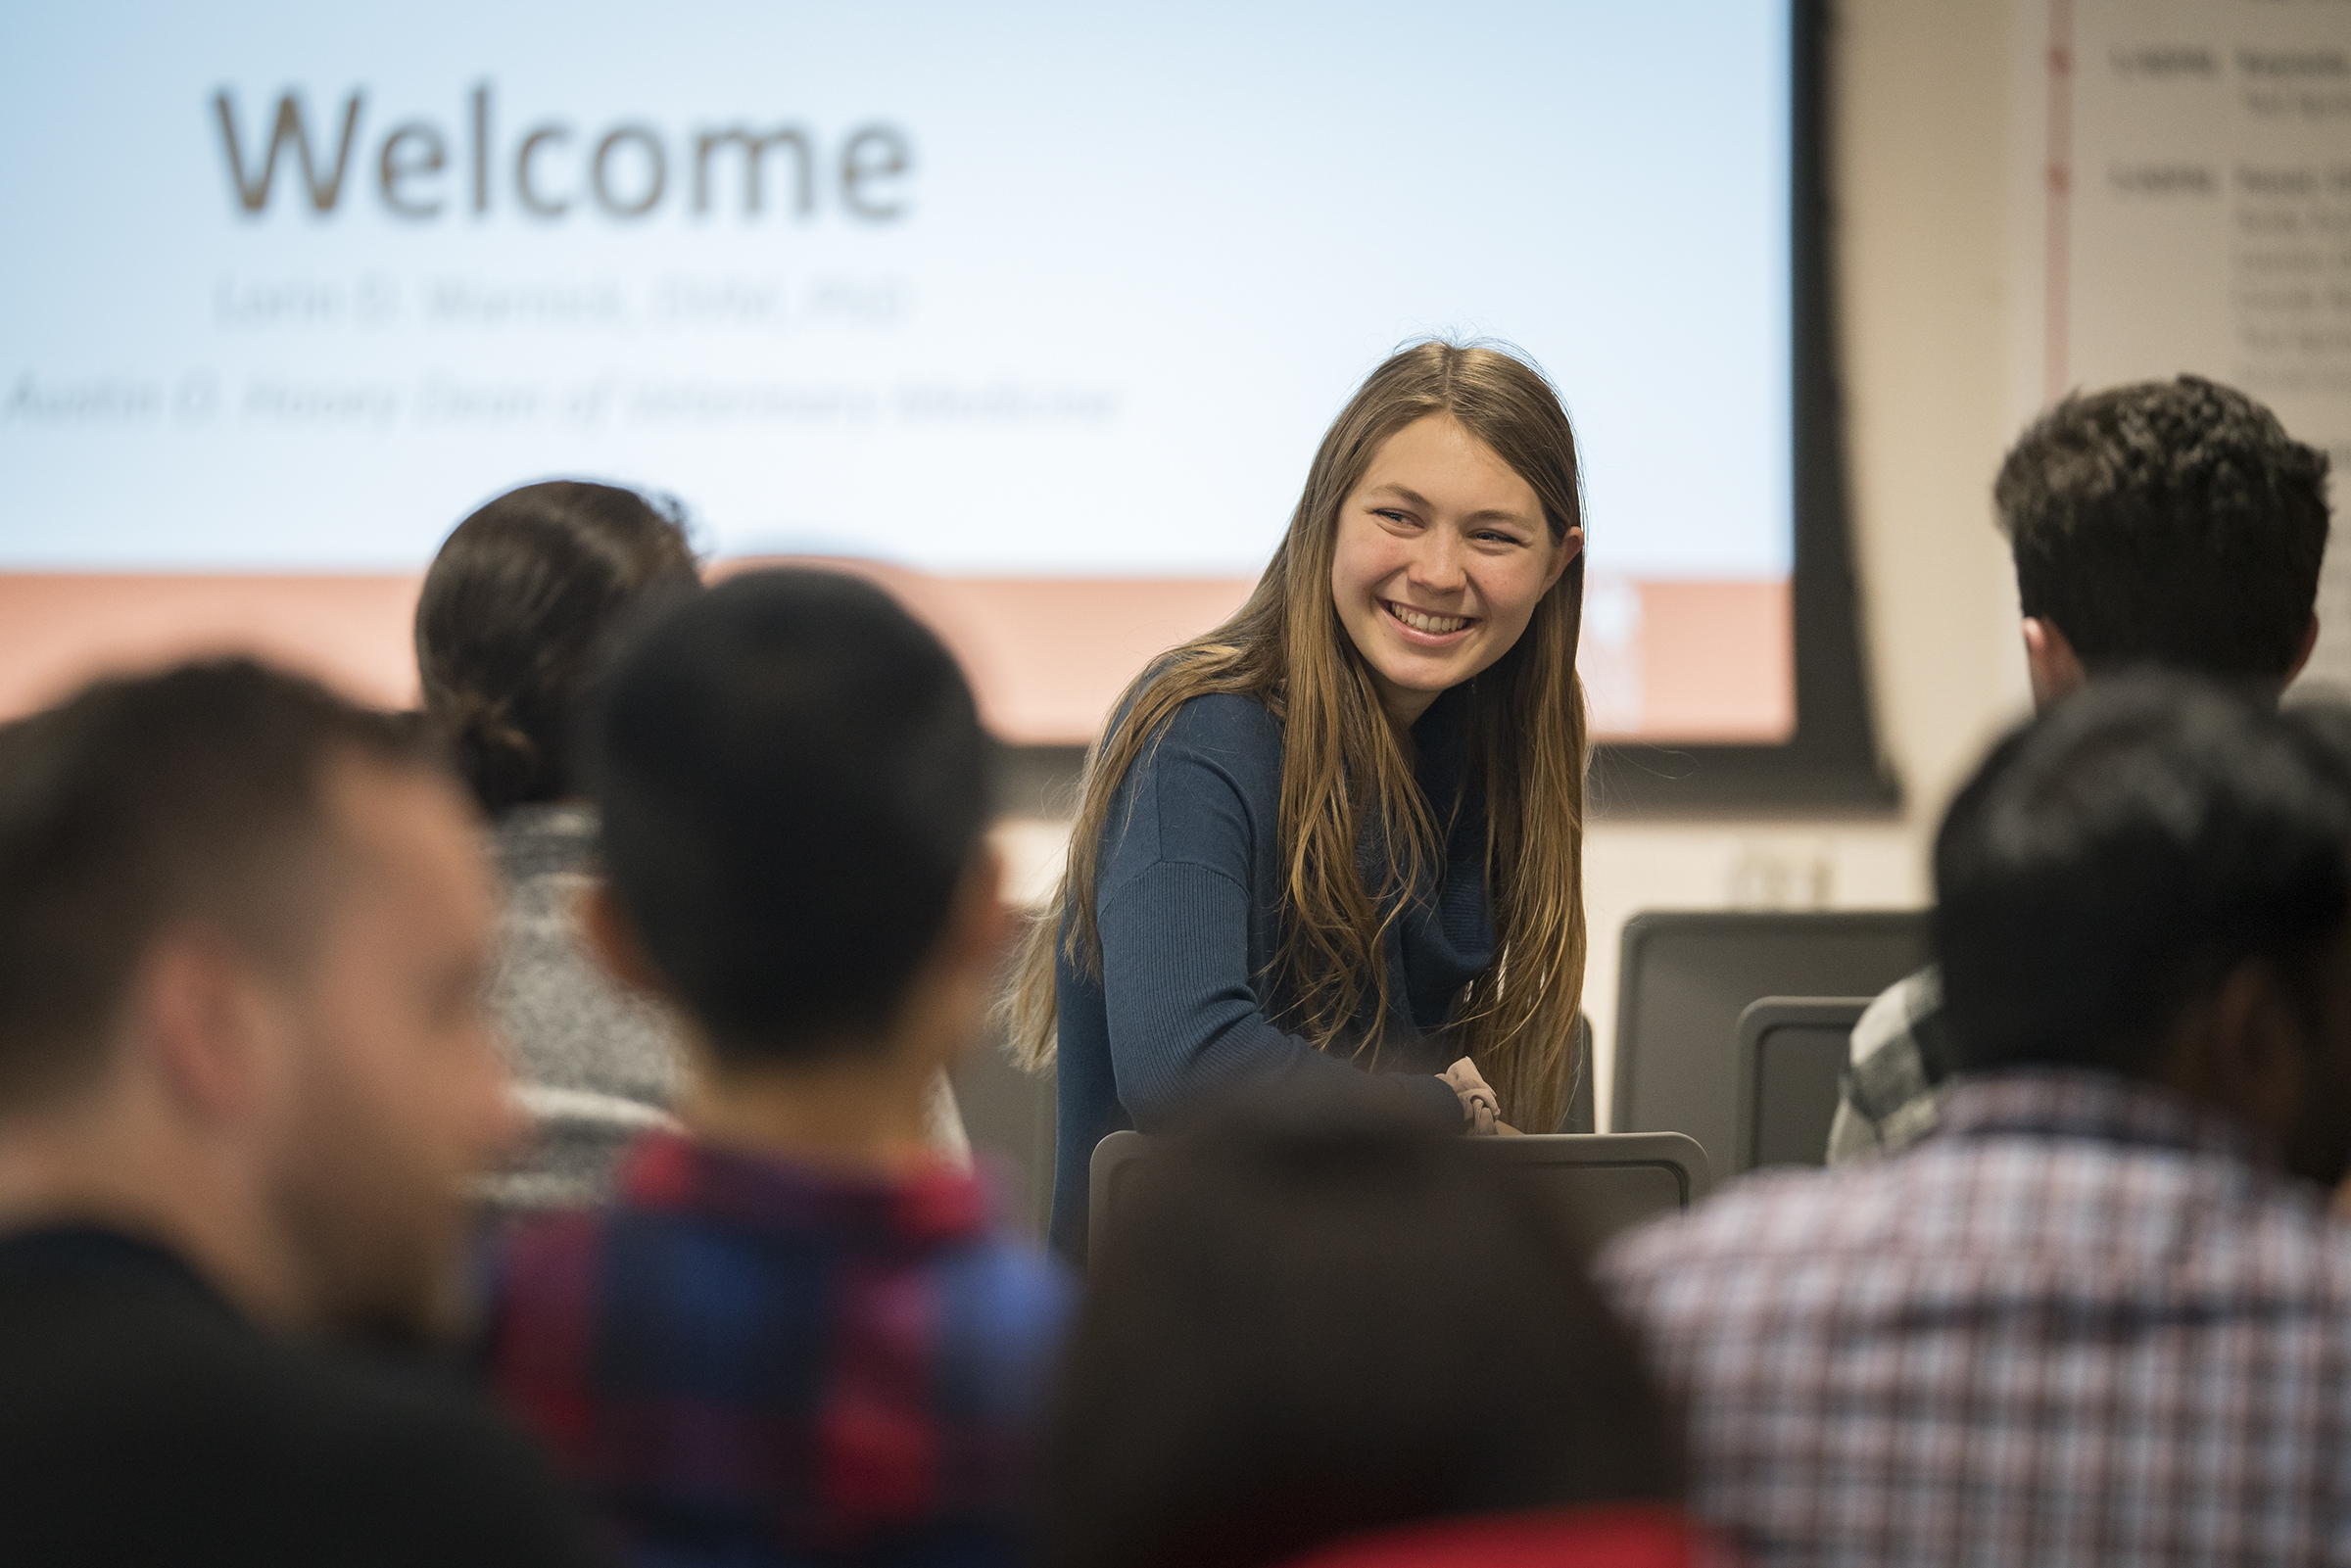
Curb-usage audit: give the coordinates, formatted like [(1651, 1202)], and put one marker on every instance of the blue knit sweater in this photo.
[(1189, 892)]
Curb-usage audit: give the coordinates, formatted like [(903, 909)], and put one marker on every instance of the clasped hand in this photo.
[(1481, 1107)]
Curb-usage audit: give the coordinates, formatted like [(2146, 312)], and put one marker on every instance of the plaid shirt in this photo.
[(2081, 1322), (743, 1361), (1902, 1059)]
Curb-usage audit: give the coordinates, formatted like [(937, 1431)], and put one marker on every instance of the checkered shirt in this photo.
[(746, 1362), (1901, 1057), (2081, 1322)]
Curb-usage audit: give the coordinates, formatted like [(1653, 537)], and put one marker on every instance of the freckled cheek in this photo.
[(1364, 562), (1490, 595)]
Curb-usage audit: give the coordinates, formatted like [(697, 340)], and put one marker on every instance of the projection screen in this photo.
[(1035, 310)]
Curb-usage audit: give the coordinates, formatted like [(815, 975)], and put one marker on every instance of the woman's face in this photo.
[(1442, 555)]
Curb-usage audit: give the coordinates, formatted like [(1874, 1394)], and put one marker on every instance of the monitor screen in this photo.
[(1038, 310)]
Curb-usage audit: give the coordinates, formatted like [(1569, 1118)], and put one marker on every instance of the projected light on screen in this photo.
[(1042, 307)]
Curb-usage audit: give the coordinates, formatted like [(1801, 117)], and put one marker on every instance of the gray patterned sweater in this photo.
[(595, 1064)]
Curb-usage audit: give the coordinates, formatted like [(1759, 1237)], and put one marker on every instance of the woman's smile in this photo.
[(1427, 627)]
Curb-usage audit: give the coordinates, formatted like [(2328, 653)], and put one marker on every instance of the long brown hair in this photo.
[(1344, 769)]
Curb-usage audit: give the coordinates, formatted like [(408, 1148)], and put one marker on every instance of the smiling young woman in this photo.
[(1344, 831)]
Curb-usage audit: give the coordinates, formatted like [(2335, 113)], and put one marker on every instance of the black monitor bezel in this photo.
[(1831, 763)]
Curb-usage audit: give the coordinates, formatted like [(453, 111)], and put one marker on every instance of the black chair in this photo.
[(1793, 1052), (1582, 1107), (1606, 1181), (1010, 1116), (1684, 980)]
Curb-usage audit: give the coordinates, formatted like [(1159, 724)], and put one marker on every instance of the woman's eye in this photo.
[(1395, 517)]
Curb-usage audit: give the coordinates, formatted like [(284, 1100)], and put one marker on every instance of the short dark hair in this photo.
[(1308, 1322), (2112, 861), (2168, 522), (793, 783), (511, 615), (196, 792)]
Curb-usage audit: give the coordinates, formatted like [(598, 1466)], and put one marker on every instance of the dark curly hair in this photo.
[(513, 611), (2168, 522)]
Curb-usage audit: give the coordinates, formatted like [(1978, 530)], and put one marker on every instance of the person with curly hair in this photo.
[(515, 613), (2166, 523)]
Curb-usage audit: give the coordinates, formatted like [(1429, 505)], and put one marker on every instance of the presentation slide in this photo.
[(1040, 309)]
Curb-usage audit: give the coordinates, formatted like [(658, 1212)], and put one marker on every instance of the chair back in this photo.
[(1009, 1114), (1010, 1117), (1606, 1182), (1793, 1052), (1684, 978), (1582, 1107)]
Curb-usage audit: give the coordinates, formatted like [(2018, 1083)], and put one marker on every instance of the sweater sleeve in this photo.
[(1185, 1015)]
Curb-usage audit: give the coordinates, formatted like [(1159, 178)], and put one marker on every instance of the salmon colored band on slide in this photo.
[(1675, 661)]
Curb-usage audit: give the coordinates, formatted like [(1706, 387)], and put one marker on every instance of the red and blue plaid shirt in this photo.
[(744, 1361)]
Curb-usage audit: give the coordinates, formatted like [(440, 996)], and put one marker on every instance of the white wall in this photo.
[(1919, 189)]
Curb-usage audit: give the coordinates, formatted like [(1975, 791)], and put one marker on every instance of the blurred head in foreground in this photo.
[(512, 616), (244, 931), (2165, 522), (794, 790), (2155, 880), (1301, 1327)]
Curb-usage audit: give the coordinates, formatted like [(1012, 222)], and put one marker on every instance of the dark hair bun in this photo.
[(513, 612), (494, 754)]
